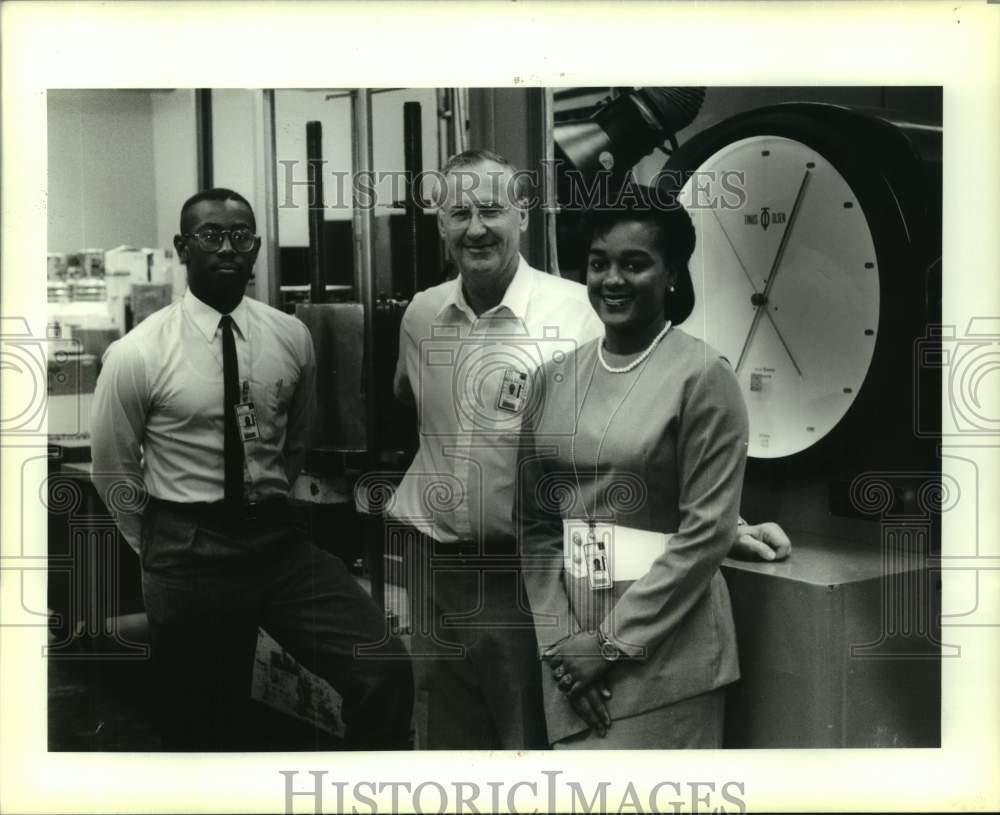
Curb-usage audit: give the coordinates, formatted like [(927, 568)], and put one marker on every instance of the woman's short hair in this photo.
[(675, 237)]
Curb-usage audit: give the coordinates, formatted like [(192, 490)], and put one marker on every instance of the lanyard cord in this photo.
[(600, 445)]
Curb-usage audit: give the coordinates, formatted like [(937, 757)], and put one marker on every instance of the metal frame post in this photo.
[(362, 164)]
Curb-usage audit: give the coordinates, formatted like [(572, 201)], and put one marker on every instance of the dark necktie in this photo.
[(233, 444)]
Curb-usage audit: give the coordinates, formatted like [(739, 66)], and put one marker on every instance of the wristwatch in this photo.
[(609, 651)]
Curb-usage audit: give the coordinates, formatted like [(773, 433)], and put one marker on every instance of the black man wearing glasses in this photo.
[(206, 404)]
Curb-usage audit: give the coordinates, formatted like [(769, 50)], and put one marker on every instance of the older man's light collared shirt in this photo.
[(158, 408), (473, 380)]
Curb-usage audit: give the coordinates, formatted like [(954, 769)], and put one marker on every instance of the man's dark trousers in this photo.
[(210, 580)]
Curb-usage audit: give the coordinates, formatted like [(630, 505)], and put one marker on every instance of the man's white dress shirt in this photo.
[(460, 486), (158, 408)]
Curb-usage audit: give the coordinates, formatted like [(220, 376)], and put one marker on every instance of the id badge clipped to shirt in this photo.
[(513, 391), (246, 417)]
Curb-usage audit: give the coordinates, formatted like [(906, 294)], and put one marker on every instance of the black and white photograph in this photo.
[(416, 352), (444, 429)]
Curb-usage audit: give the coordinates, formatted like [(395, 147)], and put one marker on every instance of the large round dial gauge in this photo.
[(786, 287), (817, 227)]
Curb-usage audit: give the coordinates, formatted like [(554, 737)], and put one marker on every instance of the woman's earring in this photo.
[(671, 288)]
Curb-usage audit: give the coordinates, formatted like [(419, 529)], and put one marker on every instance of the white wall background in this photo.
[(175, 159), (121, 162), (100, 177)]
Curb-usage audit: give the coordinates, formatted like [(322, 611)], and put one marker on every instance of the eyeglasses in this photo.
[(241, 239), (489, 213)]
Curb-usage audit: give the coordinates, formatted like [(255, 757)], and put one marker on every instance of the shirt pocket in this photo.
[(273, 398)]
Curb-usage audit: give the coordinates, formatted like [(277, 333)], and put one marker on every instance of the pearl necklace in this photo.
[(635, 363)]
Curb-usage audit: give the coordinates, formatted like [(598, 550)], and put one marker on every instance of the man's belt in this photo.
[(218, 513)]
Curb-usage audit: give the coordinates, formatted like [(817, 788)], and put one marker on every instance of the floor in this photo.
[(101, 706)]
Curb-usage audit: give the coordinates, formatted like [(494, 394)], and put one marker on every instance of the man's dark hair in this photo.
[(215, 194), (470, 158), (675, 238)]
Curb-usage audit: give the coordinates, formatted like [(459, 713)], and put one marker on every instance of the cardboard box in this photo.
[(128, 261)]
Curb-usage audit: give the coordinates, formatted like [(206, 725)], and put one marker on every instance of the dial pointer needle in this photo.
[(774, 268), (784, 344), (753, 288)]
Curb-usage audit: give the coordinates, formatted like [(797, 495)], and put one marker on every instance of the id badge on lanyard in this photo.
[(587, 547), (606, 552)]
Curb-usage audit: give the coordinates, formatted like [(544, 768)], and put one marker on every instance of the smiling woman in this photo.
[(637, 273), (628, 564), (627, 283)]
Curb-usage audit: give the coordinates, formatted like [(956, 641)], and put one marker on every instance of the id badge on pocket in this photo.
[(513, 391), (246, 421)]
